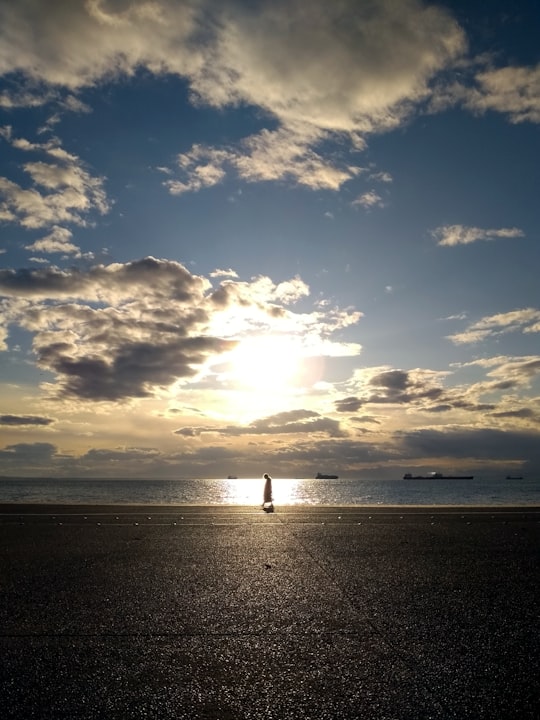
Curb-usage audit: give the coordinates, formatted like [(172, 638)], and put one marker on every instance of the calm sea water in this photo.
[(287, 491)]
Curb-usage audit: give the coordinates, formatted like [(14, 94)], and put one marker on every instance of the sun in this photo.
[(268, 363)]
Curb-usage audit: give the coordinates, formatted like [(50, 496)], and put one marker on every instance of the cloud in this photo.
[(131, 369), (450, 235), (224, 273), (106, 283), (269, 156), (297, 422), (422, 391), (79, 44), (384, 177), (394, 387), (526, 320), (474, 444), (338, 71), (287, 153), (298, 65), (392, 380), (341, 66), (514, 91), (369, 199), (285, 423), (27, 98), (24, 420), (335, 453), (458, 316), (202, 167), (290, 291), (27, 453), (519, 414), (349, 404), (57, 241), (136, 341), (123, 455), (60, 190), (512, 371), (122, 331)]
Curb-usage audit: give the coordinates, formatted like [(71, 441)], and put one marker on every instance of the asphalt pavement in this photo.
[(232, 613)]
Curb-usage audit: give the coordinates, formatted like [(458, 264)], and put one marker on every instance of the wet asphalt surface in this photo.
[(232, 613)]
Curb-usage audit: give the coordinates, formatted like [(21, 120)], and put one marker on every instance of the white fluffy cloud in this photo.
[(57, 241), (369, 199), (526, 320), (343, 68), (60, 190), (449, 235), (76, 44), (514, 91), (270, 155)]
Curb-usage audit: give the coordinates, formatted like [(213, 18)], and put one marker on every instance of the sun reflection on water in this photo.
[(249, 491)]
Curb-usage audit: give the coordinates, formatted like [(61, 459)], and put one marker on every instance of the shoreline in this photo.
[(8, 508)]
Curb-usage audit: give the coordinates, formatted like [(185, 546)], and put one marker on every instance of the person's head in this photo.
[(266, 476)]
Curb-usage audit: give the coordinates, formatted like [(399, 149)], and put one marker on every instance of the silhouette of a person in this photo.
[(267, 493)]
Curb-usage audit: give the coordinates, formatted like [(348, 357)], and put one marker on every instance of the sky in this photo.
[(245, 236)]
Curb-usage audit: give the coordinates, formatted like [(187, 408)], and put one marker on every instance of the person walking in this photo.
[(268, 500)]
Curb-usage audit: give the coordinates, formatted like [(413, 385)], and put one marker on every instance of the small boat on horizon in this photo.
[(514, 477), (437, 476), (323, 476), (232, 477)]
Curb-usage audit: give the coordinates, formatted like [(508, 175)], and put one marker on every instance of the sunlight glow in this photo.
[(249, 491), (269, 362)]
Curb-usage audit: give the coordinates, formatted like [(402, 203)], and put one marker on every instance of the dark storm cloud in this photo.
[(24, 420), (331, 453), (28, 453), (365, 419), (224, 296), (472, 407), (522, 413), (348, 404), (505, 385), (530, 368), (129, 370), (188, 431), (30, 283), (319, 424), (444, 407), (120, 454), (162, 278), (294, 421), (393, 387), (394, 380), (286, 417), (481, 444), (121, 349), (209, 453), (399, 386)]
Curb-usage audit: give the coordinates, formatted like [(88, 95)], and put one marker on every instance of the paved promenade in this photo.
[(230, 613)]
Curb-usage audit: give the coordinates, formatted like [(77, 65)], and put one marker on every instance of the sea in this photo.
[(488, 490)]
